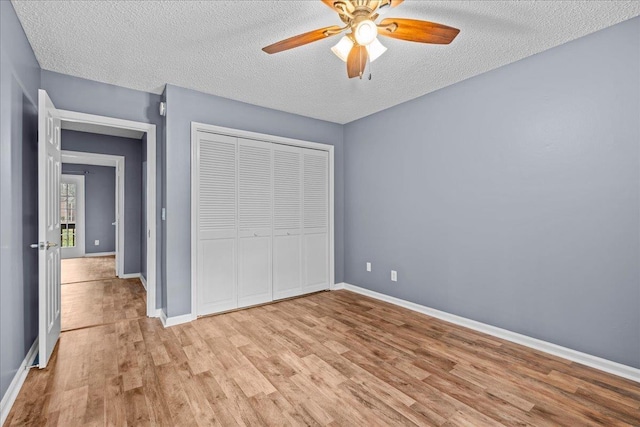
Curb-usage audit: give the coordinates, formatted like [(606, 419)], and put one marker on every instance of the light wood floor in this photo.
[(101, 301), (333, 358), (88, 301), (86, 269)]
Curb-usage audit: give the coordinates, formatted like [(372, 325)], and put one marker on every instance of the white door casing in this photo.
[(49, 171), (78, 250)]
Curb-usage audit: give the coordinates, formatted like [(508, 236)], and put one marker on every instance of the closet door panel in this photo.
[(315, 220), (217, 275), (217, 223), (287, 218), (316, 262), (287, 266), (255, 225), (254, 273)]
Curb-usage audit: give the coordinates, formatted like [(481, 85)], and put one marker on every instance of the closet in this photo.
[(262, 221)]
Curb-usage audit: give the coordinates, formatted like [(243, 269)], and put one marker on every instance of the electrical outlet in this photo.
[(368, 266), (394, 276), (97, 242)]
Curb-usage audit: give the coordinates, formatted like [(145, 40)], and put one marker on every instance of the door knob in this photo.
[(41, 245)]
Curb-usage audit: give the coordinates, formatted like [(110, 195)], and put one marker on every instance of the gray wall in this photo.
[(511, 198), (100, 205), (87, 96), (131, 149), (185, 106), (19, 80)]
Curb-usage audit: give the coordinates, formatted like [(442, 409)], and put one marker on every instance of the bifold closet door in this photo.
[(287, 221), (255, 195), (315, 242), (217, 228)]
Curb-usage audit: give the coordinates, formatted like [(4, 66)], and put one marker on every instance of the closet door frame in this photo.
[(236, 133)]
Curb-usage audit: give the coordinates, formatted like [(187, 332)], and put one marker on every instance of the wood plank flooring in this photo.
[(86, 269), (101, 301), (332, 358), (92, 295)]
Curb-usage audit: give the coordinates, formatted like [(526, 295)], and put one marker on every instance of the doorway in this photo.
[(51, 123)]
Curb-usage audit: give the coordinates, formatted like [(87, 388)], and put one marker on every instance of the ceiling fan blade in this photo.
[(395, 3), (302, 39), (329, 3), (357, 61), (414, 30)]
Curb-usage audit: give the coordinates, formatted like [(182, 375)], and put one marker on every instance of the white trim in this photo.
[(167, 322), (86, 158), (131, 276), (544, 346), (143, 281), (237, 133), (98, 254), (338, 286), (101, 123), (11, 394)]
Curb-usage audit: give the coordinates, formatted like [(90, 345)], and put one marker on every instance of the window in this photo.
[(68, 214)]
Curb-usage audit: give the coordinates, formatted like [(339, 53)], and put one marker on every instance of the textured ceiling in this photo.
[(215, 47)]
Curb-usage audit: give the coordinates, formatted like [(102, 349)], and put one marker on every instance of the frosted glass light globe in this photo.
[(366, 32)]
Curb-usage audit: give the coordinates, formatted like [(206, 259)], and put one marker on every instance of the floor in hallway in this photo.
[(86, 269), (92, 295)]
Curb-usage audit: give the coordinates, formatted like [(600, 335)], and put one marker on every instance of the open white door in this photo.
[(49, 170)]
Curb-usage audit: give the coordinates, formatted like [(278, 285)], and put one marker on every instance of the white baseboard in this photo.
[(338, 286), (175, 320), (130, 276), (16, 384), (99, 254), (544, 346), (144, 281)]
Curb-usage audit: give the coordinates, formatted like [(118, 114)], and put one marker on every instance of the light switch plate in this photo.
[(97, 242), (394, 276), (368, 266)]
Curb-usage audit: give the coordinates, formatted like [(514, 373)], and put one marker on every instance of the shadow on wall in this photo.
[(30, 213)]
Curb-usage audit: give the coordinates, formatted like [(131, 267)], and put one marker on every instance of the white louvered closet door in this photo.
[(255, 196), (217, 223), (287, 221), (315, 242)]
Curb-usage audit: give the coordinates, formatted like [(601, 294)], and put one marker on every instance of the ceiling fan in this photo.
[(361, 44)]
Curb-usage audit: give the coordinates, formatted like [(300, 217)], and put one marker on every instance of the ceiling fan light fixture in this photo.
[(342, 48), (375, 49), (365, 32)]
